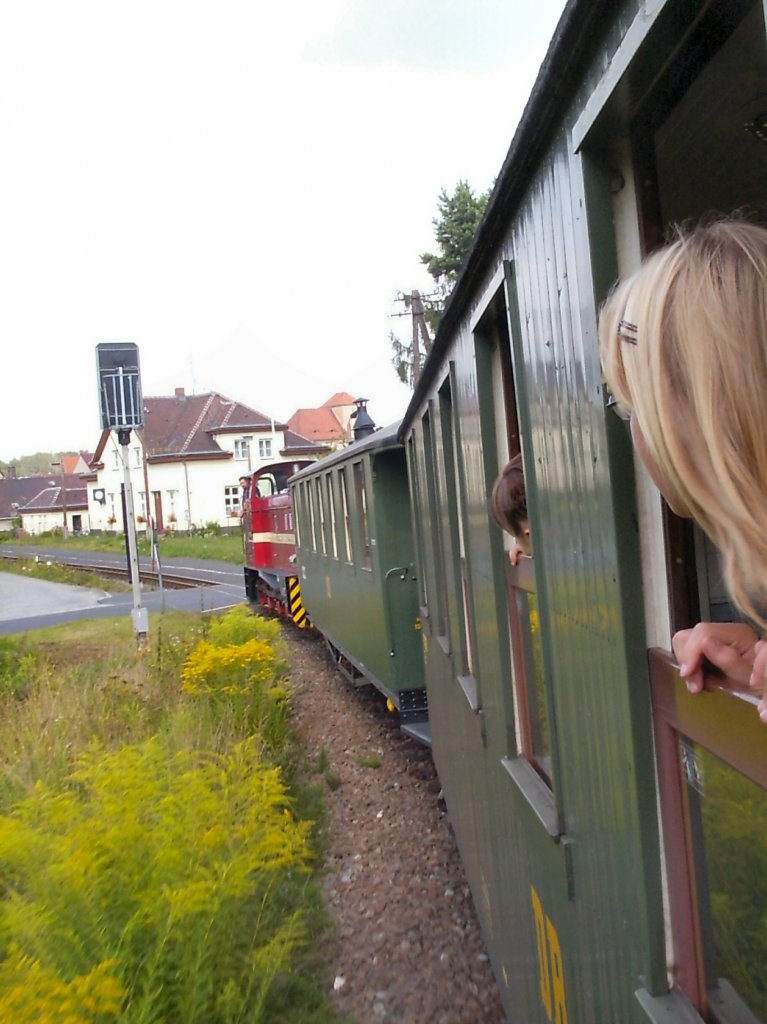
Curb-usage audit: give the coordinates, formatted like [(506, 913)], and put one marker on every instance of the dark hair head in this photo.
[(508, 502)]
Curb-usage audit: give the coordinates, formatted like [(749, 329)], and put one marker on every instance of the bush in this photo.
[(239, 624), (171, 884)]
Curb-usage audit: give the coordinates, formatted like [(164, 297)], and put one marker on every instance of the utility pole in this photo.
[(414, 308), (65, 532), (420, 331)]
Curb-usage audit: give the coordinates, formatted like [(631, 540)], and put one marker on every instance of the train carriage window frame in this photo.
[(362, 515), (348, 545), (437, 597), (310, 511), (299, 513), (416, 503), (504, 422), (460, 616), (333, 547), (322, 525)]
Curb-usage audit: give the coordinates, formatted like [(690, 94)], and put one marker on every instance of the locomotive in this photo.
[(613, 826), (269, 541)]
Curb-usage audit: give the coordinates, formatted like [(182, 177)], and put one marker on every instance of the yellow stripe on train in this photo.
[(295, 604)]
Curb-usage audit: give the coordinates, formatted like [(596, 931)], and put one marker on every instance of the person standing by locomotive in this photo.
[(245, 499), (684, 347)]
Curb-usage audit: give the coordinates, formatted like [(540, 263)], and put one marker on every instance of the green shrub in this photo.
[(18, 669), (175, 881)]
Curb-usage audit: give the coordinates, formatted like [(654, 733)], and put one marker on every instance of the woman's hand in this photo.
[(732, 647)]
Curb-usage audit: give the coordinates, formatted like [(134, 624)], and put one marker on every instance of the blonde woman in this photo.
[(684, 348)]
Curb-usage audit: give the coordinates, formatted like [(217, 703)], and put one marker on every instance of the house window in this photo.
[(232, 500), (265, 447), (116, 457), (137, 457), (242, 447)]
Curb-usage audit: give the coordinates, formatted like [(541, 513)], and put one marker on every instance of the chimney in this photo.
[(363, 424), (180, 393)]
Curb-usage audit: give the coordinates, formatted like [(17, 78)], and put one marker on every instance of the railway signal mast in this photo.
[(122, 409)]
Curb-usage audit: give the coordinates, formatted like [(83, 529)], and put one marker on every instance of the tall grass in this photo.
[(153, 867)]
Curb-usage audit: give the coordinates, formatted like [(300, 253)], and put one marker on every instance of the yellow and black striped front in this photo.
[(295, 604)]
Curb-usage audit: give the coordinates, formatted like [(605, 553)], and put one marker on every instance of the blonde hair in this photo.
[(684, 346)]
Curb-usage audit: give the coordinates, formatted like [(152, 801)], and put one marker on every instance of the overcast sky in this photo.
[(239, 188)]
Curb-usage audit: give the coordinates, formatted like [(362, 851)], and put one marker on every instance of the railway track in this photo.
[(150, 577)]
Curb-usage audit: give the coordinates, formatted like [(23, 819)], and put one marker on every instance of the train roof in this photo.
[(577, 34), (379, 440)]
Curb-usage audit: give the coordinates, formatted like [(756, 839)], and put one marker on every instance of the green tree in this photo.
[(455, 226), (454, 229)]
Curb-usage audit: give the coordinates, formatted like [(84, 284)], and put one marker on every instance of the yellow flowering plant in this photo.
[(159, 882)]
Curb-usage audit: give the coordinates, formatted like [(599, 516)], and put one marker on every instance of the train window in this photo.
[(298, 514), (312, 517), (321, 531), (528, 716), (461, 634), (333, 549), (347, 533), (362, 511), (438, 595), (416, 502)]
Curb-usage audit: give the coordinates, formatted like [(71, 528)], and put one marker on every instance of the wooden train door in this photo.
[(697, 146)]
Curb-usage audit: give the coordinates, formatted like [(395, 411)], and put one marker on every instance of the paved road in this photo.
[(30, 604)]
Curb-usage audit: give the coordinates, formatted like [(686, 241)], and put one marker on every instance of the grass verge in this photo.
[(224, 547)]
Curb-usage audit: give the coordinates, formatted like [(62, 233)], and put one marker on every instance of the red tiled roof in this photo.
[(316, 424), (339, 398)]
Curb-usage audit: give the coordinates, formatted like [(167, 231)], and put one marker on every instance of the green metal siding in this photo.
[(371, 614)]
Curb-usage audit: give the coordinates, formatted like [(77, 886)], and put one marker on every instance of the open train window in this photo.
[(360, 493), (460, 616), (322, 528), (529, 744), (416, 502), (333, 548), (438, 602), (312, 517), (347, 531)]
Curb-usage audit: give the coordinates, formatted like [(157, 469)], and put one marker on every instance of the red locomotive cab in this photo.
[(269, 533)]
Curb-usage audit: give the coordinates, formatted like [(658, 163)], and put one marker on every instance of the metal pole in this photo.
[(140, 614), (64, 499)]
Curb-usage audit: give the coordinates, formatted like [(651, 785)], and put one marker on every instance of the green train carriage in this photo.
[(355, 555), (565, 741)]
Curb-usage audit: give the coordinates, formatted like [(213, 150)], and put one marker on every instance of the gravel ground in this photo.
[(407, 949)]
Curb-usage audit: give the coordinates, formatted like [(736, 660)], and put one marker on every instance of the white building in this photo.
[(186, 462)]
